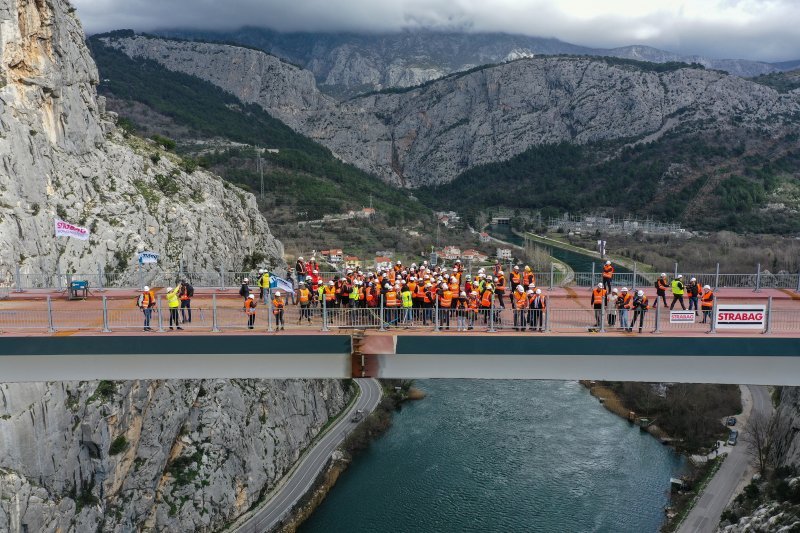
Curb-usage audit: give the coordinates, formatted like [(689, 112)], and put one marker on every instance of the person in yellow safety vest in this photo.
[(707, 303), (608, 275), (599, 299), (277, 310), (677, 292), (263, 284), (174, 303), (408, 302)]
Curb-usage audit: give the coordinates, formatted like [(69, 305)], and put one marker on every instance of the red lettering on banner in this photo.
[(741, 317)]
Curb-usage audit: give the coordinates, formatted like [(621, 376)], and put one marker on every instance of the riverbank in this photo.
[(374, 425), (617, 259)]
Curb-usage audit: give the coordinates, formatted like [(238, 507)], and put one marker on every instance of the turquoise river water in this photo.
[(481, 455)]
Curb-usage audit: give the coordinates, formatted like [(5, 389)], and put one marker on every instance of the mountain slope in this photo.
[(303, 180), (348, 63)]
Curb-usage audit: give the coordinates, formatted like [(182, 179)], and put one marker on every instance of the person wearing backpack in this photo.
[(250, 309), (185, 293), (146, 302)]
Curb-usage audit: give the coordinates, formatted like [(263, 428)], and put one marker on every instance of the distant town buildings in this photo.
[(484, 237), (447, 218), (474, 256), (450, 253), (333, 255), (504, 254), (383, 262), (582, 224), (352, 261)]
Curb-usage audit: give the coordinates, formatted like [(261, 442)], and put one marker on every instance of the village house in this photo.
[(352, 261), (333, 255), (474, 256), (484, 237), (504, 253), (450, 253), (382, 262)]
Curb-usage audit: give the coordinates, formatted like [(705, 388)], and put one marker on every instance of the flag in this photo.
[(65, 229), (281, 284)]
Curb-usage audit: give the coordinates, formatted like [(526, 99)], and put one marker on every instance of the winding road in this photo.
[(301, 480), (705, 515)]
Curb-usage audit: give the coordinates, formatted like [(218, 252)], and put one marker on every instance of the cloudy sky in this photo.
[(750, 29)]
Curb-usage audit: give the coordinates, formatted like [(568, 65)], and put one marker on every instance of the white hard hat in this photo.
[(500, 273), (530, 291), (520, 288), (693, 279), (299, 258), (624, 289), (516, 267), (531, 285), (473, 293), (428, 284), (640, 293), (469, 277), (599, 285), (260, 270), (145, 288), (252, 296), (169, 289), (458, 260), (399, 263), (614, 290), (316, 272), (608, 262), (481, 270), (245, 280), (277, 293), (706, 288), (387, 286), (538, 291), (663, 274), (680, 276), (330, 283), (463, 294)]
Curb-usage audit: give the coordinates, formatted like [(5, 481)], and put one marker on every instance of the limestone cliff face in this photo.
[(432, 133), (61, 156), (151, 455)]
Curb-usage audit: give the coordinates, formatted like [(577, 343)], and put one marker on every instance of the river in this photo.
[(481, 455)]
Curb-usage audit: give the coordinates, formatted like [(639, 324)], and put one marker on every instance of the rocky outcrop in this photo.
[(430, 134), (349, 63), (62, 156), (151, 455)]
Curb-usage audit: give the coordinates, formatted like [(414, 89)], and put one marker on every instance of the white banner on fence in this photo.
[(738, 316), (681, 317), (281, 284), (65, 229), (148, 257)]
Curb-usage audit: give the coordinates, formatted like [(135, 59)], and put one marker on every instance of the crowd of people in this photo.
[(424, 294)]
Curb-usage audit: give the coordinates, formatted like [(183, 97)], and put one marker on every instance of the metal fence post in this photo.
[(158, 311), (634, 276), (106, 329), (758, 279), (100, 278), (383, 315), (325, 313), (435, 312), (214, 323), (141, 277), (50, 326), (768, 325), (658, 318), (602, 313), (714, 317), (592, 281), (222, 277), (546, 315), (716, 279), (269, 309), (491, 315), (58, 275), (798, 283), (19, 279), (676, 270), (551, 275)]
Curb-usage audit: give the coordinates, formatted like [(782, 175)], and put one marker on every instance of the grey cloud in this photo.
[(771, 34)]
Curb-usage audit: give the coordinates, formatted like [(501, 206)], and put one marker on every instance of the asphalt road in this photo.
[(719, 492), (266, 517)]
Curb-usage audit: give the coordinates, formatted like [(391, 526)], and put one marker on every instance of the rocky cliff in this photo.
[(348, 63), (151, 455), (432, 133), (62, 156)]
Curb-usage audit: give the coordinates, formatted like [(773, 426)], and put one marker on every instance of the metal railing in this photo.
[(212, 314)]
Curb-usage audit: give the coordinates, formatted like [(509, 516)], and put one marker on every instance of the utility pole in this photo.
[(260, 171)]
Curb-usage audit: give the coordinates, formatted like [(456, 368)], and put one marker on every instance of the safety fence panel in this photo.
[(784, 321), (78, 319), (364, 318), (28, 320)]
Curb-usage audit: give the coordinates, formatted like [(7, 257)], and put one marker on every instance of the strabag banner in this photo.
[(739, 316), (148, 257), (65, 229)]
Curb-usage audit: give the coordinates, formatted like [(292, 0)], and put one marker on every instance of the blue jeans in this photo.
[(693, 303), (623, 318), (148, 313)]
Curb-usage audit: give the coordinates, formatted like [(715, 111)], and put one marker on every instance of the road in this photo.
[(301, 480), (704, 517)]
